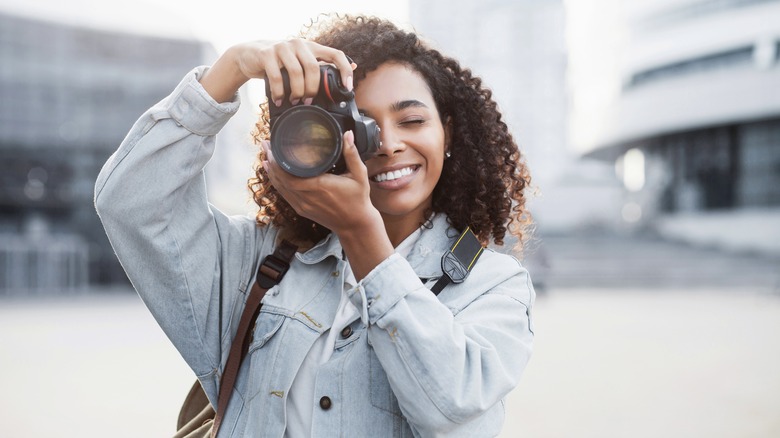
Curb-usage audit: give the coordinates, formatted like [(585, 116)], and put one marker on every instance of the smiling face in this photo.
[(409, 163)]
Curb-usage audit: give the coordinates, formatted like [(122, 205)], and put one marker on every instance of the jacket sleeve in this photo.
[(447, 366), (151, 198)]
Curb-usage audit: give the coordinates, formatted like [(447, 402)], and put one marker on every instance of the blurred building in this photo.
[(689, 113), (68, 97), (519, 49)]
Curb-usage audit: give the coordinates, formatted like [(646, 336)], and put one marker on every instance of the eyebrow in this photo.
[(404, 104), (401, 105)]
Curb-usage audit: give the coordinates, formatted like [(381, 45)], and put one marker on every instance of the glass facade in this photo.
[(726, 167), (69, 96)]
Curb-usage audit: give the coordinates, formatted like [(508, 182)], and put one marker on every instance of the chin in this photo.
[(401, 209)]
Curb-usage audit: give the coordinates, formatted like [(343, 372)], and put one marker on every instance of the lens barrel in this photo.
[(306, 141)]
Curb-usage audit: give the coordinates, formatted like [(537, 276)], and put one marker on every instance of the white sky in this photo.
[(227, 22), (222, 22), (595, 38)]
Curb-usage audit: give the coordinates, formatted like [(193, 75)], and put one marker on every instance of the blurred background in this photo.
[(652, 129)]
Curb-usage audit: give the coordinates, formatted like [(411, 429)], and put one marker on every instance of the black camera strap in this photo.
[(458, 261)]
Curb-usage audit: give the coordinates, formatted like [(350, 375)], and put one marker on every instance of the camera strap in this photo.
[(458, 261)]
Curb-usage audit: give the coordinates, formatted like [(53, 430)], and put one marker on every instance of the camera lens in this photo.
[(306, 141)]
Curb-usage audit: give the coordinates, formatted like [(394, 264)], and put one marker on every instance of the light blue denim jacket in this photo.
[(421, 365)]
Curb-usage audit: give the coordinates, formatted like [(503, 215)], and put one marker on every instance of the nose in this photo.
[(390, 142)]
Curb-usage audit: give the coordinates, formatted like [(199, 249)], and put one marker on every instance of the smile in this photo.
[(393, 175)]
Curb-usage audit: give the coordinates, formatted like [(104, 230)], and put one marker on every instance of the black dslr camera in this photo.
[(306, 139)]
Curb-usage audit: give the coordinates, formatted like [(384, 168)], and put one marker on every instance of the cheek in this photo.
[(438, 171), (436, 154)]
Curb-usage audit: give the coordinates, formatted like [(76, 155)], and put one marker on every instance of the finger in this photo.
[(280, 178), (287, 186), (266, 146), (339, 59), (269, 164), (276, 177), (266, 159), (311, 73), (355, 165), (267, 167), (273, 75), (290, 62), (280, 187)]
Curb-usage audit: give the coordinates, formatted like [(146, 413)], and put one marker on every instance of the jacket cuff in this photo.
[(194, 109), (387, 284)]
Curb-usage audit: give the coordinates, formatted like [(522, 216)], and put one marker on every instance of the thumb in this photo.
[(352, 159)]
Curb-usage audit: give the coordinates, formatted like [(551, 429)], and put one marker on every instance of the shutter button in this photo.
[(346, 332), (325, 403)]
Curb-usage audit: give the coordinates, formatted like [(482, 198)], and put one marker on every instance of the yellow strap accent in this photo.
[(475, 258), (459, 239)]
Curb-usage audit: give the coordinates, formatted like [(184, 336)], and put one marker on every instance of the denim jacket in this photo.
[(414, 365)]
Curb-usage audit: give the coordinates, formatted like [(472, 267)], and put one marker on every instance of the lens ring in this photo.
[(306, 141)]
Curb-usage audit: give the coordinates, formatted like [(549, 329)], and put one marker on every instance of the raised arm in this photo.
[(151, 198)]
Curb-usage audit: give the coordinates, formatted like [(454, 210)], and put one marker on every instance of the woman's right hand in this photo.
[(261, 59)]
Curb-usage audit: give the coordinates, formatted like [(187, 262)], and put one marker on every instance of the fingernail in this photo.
[(278, 102), (351, 137), (353, 65), (349, 83), (295, 101), (308, 100)]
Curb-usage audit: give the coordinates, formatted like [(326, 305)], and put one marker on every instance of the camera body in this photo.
[(306, 140)]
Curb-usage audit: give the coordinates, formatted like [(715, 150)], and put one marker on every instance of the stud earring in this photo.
[(447, 154)]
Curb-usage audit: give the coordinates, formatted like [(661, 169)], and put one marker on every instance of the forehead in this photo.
[(391, 83)]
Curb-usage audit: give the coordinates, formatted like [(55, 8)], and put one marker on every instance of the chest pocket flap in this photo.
[(266, 325)]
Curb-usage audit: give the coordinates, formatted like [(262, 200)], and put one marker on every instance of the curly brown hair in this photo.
[(482, 184)]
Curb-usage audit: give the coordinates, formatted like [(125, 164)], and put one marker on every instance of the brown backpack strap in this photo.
[(269, 274)]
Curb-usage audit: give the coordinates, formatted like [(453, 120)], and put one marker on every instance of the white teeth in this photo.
[(389, 176)]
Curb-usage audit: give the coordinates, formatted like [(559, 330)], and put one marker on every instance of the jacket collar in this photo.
[(435, 240), (327, 247), (425, 256)]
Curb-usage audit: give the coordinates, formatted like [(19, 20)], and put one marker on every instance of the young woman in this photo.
[(352, 342)]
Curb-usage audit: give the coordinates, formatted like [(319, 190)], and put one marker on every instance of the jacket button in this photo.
[(325, 403), (346, 332)]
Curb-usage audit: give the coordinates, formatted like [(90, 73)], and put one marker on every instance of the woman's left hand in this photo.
[(338, 202)]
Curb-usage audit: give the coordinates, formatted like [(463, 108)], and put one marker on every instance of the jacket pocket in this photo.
[(266, 325), (262, 353), (382, 396)]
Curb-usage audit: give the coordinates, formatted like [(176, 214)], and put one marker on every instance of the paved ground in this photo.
[(649, 363), (619, 353), (87, 366)]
